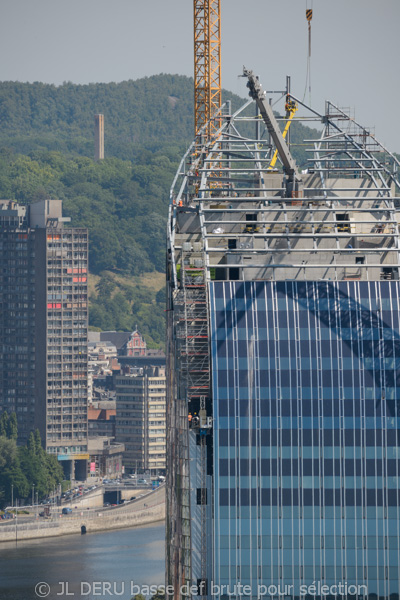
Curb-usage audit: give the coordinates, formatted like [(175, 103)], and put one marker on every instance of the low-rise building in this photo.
[(105, 457)]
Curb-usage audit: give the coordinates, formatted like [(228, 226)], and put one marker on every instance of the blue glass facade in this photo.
[(306, 388)]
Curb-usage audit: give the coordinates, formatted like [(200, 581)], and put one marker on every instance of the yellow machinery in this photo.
[(207, 63), (291, 108)]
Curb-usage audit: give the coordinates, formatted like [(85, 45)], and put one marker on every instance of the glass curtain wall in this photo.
[(306, 437)]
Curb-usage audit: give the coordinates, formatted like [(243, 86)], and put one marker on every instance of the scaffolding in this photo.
[(188, 326), (192, 326)]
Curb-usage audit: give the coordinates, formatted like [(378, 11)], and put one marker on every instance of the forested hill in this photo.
[(150, 112), (46, 150)]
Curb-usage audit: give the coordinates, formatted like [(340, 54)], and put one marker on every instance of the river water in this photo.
[(112, 565)]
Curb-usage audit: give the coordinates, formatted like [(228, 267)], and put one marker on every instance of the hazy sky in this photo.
[(354, 63)]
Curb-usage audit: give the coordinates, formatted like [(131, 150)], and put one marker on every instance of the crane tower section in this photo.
[(207, 63)]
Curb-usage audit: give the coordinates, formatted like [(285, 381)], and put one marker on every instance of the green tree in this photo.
[(8, 451), (8, 425), (10, 472), (12, 427), (105, 288), (31, 445), (34, 467), (4, 424), (55, 473), (38, 444)]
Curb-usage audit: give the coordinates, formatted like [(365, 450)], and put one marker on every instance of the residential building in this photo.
[(101, 352), (101, 422), (117, 338), (131, 348), (17, 316), (105, 457), (102, 362), (283, 359), (140, 418), (43, 327)]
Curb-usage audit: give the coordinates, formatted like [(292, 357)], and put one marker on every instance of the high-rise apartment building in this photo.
[(140, 418), (283, 362), (43, 327), (17, 316)]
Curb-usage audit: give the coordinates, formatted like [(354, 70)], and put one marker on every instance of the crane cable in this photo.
[(309, 14)]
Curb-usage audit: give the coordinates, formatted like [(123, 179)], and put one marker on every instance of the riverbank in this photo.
[(148, 510)]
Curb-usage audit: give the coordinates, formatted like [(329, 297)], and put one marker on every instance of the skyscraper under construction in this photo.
[(284, 355)]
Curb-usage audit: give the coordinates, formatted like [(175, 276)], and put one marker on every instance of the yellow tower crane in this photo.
[(207, 64)]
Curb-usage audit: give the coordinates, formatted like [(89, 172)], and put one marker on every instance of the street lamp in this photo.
[(33, 495), (12, 495), (16, 520)]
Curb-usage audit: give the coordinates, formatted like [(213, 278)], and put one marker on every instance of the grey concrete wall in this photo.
[(95, 499), (149, 509)]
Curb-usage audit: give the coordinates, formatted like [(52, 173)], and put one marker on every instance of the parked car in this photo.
[(66, 510)]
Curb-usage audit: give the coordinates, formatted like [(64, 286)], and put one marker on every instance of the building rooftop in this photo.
[(104, 414), (233, 216)]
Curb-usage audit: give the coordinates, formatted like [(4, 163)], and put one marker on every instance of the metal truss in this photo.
[(207, 64), (342, 224)]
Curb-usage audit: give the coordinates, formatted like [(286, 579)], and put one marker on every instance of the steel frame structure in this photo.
[(207, 64), (349, 171)]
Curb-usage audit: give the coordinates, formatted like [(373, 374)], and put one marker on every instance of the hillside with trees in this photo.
[(148, 113), (46, 150)]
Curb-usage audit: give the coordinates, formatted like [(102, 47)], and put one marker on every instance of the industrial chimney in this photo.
[(98, 137)]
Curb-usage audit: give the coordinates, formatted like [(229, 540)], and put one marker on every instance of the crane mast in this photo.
[(207, 64)]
